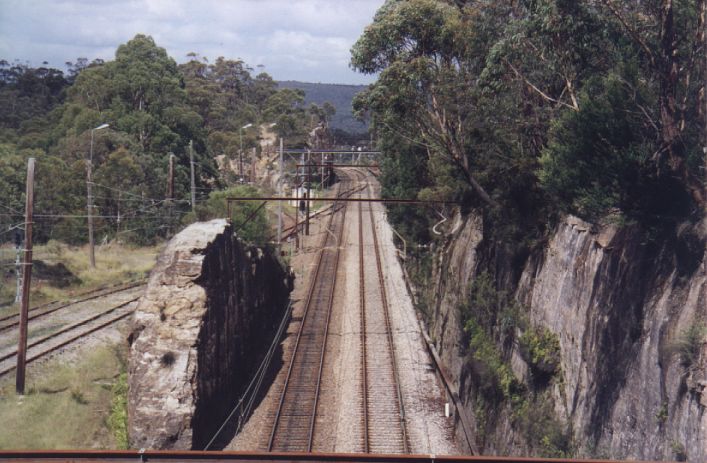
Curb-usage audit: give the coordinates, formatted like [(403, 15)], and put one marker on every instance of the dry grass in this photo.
[(68, 406), (114, 263)]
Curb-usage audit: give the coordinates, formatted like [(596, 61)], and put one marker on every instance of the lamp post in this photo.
[(240, 154), (89, 199)]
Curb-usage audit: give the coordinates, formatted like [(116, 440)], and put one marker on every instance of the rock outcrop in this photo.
[(625, 308), (199, 333)]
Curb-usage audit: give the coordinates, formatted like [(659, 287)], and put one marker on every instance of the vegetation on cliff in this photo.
[(524, 111)]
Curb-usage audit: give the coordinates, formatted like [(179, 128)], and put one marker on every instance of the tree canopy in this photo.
[(154, 108), (540, 106)]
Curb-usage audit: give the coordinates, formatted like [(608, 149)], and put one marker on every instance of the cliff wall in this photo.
[(199, 333), (628, 311)]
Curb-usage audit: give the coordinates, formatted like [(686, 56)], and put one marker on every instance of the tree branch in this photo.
[(631, 31), (544, 95)]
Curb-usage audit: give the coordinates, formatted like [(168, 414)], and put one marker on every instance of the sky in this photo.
[(306, 40)]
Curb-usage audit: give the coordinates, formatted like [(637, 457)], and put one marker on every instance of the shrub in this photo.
[(118, 419), (540, 348), (688, 344)]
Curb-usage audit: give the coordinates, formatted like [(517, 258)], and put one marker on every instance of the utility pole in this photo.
[(26, 279), (703, 14), (252, 165), (89, 198), (309, 190), (18, 264), (279, 203), (193, 182), (297, 202), (170, 191), (170, 180)]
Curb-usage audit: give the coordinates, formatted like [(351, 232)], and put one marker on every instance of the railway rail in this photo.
[(11, 321), (61, 336), (295, 418), (383, 409)]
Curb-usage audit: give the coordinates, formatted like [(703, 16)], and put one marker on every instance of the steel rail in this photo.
[(290, 231), (69, 328), (78, 336), (330, 305), (389, 331), (116, 288), (362, 304), (300, 331)]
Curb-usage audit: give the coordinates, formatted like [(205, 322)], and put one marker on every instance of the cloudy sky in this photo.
[(306, 40)]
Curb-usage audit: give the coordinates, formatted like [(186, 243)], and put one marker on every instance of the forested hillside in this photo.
[(153, 107), (339, 96)]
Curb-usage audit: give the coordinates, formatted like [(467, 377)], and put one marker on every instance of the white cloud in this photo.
[(294, 39)]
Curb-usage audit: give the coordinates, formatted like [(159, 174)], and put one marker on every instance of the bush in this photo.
[(540, 348), (249, 218), (689, 343), (118, 419), (598, 158)]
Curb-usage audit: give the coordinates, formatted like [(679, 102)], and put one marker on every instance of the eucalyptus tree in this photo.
[(420, 48)]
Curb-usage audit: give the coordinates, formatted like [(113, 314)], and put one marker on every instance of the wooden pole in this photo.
[(252, 166), (279, 204), (193, 181), (297, 219), (309, 191), (170, 181), (26, 278), (89, 205), (703, 14)]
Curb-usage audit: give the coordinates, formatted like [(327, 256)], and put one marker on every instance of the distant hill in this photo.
[(338, 95)]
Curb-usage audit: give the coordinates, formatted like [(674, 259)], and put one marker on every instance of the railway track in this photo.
[(295, 418), (50, 334), (10, 321), (290, 231), (383, 411)]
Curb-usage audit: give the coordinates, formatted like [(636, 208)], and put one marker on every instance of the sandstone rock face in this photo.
[(199, 333), (620, 305)]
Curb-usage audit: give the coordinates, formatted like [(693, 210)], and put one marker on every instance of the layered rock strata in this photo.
[(198, 335), (621, 305)]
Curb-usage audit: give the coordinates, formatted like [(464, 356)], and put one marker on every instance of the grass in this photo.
[(71, 405), (114, 263)]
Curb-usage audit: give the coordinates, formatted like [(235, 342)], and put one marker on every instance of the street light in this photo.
[(89, 199), (240, 155)]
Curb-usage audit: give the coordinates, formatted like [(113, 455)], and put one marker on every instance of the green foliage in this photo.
[(154, 107), (546, 434), (679, 450), (249, 218), (494, 310), (661, 415), (540, 348), (598, 157), (491, 318), (118, 418), (527, 109), (498, 377), (689, 343)]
